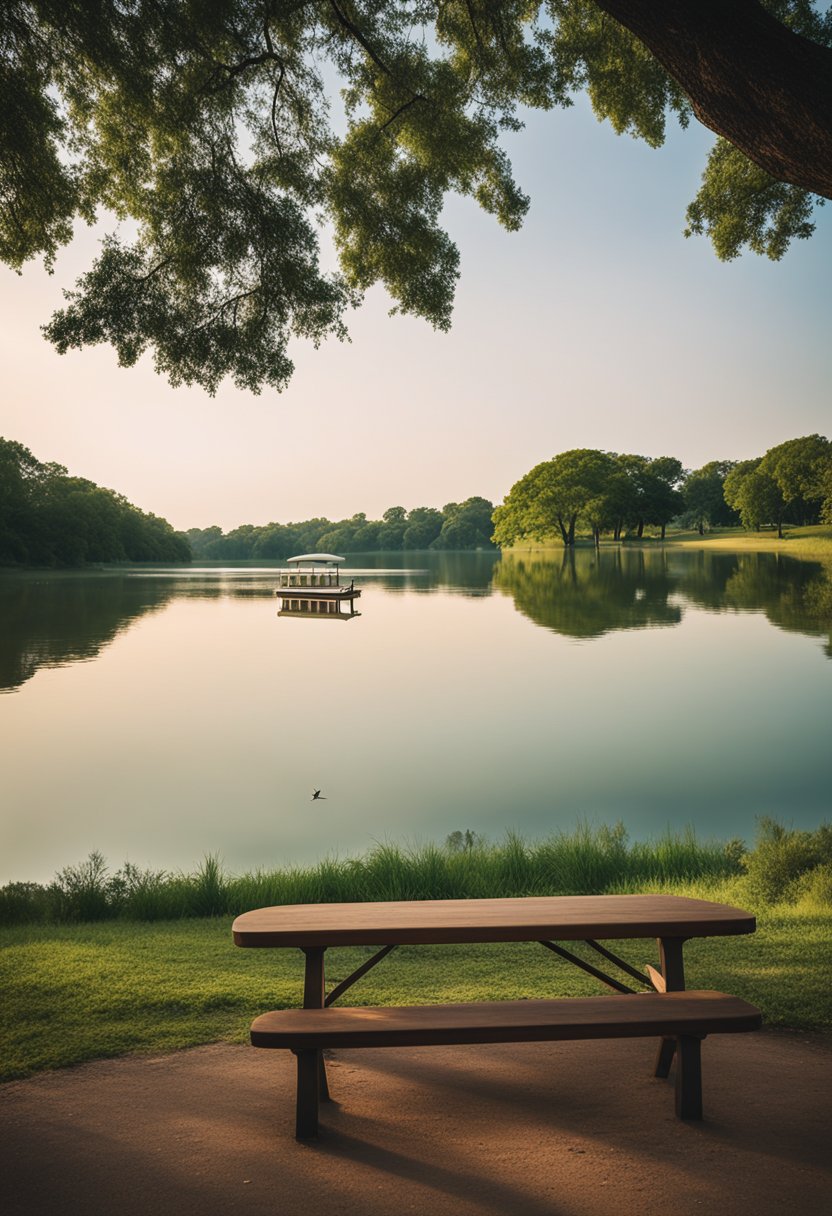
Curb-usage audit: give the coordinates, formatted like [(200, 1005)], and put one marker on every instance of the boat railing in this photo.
[(308, 578)]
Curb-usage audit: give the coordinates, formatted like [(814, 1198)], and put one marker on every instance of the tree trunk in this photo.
[(701, 528), (640, 529), (617, 533), (563, 532), (663, 528), (779, 529), (596, 532), (572, 521), (765, 89)]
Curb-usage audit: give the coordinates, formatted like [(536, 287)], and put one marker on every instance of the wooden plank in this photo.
[(564, 917), (635, 1016), (656, 978)]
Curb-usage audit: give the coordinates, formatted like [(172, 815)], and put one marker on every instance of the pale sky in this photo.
[(598, 325)]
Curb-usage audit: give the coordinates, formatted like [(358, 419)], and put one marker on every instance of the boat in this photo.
[(311, 586)]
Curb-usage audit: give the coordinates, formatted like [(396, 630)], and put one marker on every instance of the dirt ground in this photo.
[(542, 1129)]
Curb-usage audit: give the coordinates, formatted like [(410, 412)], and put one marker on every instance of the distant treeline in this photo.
[(48, 518), (459, 525), (609, 492)]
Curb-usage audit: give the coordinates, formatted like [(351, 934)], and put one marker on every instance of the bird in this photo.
[(317, 794)]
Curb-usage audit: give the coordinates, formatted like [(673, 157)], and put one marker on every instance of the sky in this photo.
[(597, 325)]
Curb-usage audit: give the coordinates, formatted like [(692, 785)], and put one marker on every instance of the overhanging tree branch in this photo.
[(764, 88)]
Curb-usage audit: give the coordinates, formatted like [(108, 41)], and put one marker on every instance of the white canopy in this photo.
[(316, 557)]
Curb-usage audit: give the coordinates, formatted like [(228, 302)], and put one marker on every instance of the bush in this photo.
[(83, 892), (815, 887), (776, 868), (24, 903)]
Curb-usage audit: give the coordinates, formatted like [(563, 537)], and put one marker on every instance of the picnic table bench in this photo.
[(680, 1019)]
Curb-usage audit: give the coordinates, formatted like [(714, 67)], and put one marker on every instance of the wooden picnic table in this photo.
[(670, 919)]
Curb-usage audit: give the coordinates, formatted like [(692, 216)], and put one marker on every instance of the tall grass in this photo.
[(585, 861), (784, 865)]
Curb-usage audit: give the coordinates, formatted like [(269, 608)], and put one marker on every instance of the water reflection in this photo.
[(49, 620), (589, 593), (586, 593)]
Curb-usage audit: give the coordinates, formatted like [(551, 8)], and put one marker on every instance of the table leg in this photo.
[(314, 993), (673, 972), (306, 1108)]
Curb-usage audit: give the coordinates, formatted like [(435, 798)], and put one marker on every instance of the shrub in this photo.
[(782, 857), (24, 903), (82, 892)]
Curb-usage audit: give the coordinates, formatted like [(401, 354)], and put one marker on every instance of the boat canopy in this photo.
[(316, 557)]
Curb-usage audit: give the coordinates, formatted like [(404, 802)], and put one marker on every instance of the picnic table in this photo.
[(550, 920)]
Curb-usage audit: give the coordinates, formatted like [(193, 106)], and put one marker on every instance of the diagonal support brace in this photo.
[(621, 963), (594, 971), (341, 988)]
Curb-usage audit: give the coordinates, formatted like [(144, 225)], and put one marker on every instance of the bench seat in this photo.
[(686, 1016)]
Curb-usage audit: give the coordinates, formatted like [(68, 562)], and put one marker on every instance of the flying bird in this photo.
[(317, 794)]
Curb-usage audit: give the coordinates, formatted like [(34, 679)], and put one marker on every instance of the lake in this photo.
[(161, 714)]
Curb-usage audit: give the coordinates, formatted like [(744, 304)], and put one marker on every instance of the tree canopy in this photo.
[(465, 525), (791, 483), (48, 518), (609, 492), (208, 129)]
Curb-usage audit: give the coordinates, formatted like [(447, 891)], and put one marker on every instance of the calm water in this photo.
[(160, 715)]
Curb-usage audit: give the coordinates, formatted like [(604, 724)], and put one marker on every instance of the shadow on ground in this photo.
[(544, 1129)]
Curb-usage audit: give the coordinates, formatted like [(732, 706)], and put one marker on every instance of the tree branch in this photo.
[(353, 29), (401, 110), (764, 88)]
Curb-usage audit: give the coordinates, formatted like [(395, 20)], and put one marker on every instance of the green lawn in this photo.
[(810, 542), (74, 993)]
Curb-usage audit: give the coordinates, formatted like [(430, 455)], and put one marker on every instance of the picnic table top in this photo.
[(430, 921)]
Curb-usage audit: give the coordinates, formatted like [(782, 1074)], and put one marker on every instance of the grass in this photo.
[(133, 981), (584, 861), (814, 541), (79, 992)]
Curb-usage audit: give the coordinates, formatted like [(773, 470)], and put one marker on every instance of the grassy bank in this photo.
[(811, 542), (75, 991), (782, 864), (799, 542), (584, 861)]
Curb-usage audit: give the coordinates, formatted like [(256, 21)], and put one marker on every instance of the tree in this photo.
[(788, 483), (207, 126), (704, 496), (800, 467), (663, 500), (391, 532), (467, 525), (423, 527), (48, 518), (552, 495), (755, 495)]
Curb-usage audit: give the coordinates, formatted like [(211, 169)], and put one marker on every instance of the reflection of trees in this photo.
[(794, 595), (630, 589), (591, 592), (51, 620), (469, 573)]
